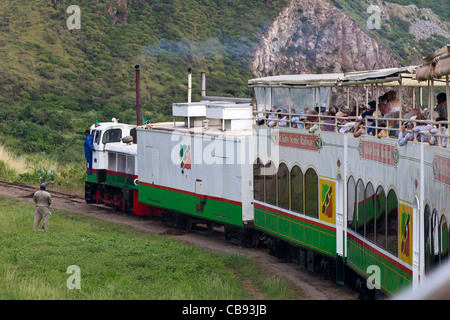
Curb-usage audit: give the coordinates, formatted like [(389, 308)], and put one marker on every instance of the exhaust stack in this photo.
[(138, 96), (189, 85), (203, 85)]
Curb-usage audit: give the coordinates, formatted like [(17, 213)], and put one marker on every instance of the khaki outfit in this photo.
[(43, 200)]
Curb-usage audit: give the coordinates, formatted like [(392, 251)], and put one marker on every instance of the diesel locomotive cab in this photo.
[(114, 173)]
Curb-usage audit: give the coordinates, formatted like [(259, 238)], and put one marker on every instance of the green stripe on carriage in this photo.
[(296, 230), (210, 208), (114, 180), (120, 181), (393, 275)]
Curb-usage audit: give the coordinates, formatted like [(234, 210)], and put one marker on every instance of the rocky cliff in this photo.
[(315, 36)]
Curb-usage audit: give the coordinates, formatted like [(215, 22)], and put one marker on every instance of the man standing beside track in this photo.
[(43, 201)]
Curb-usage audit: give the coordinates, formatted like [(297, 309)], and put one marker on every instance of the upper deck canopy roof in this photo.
[(391, 77), (297, 80)]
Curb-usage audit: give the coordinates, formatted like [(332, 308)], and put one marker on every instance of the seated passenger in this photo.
[(371, 107), (295, 118), (284, 118), (414, 112), (392, 124), (444, 131), (441, 107), (393, 104), (271, 119), (311, 118), (340, 119), (360, 128), (331, 121), (347, 126), (372, 113), (422, 129), (403, 137), (300, 122), (382, 104)]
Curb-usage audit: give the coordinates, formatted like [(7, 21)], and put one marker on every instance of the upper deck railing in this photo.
[(429, 131), (279, 98)]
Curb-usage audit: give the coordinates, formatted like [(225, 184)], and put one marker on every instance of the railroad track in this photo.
[(32, 189)]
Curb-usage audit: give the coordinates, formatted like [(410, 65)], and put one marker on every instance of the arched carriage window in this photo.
[(443, 238), (427, 238), (360, 200), (283, 186), (311, 193), (370, 213), (434, 238), (351, 204), (392, 223), (380, 225), (297, 190), (258, 180), (270, 183)]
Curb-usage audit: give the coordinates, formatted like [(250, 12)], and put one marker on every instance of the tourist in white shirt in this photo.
[(444, 131), (271, 119), (422, 130)]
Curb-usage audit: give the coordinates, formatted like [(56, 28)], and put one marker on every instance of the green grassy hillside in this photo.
[(56, 82)]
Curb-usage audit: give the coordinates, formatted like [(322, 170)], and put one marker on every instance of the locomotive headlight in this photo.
[(136, 182)]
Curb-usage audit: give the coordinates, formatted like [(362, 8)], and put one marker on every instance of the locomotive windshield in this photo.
[(113, 135), (97, 136)]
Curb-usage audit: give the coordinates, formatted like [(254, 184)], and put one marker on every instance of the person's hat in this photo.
[(43, 185), (372, 104)]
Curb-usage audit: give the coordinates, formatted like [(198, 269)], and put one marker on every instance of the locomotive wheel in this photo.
[(100, 200), (116, 202), (251, 239)]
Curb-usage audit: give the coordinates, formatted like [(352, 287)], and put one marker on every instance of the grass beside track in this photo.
[(116, 262)]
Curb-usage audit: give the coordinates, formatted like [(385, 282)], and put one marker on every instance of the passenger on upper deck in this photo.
[(330, 121), (294, 118), (392, 124), (441, 107), (444, 131), (311, 117), (403, 137), (360, 128), (284, 118), (298, 120), (340, 120), (346, 125), (393, 104), (412, 114), (271, 119), (371, 107), (382, 104), (422, 129)]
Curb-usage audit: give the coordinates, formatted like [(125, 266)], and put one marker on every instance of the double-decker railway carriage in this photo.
[(354, 202)]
